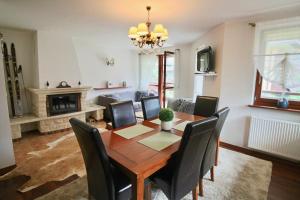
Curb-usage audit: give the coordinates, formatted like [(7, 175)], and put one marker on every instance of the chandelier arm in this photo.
[(151, 45), (141, 44)]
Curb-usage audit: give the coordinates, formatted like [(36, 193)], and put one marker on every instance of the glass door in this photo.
[(166, 76), (157, 75)]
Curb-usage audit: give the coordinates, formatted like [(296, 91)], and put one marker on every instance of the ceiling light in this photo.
[(142, 36)]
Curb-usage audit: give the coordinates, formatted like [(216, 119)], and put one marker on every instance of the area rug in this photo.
[(237, 176), (46, 158)]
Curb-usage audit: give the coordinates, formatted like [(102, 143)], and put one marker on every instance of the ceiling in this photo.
[(109, 20)]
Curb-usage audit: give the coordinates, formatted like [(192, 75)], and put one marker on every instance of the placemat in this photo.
[(160, 141), (133, 131), (157, 121), (181, 126)]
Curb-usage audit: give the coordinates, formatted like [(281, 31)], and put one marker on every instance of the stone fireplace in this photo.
[(55, 106), (52, 108)]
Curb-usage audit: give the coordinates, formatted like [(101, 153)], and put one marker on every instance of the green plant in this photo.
[(166, 114)]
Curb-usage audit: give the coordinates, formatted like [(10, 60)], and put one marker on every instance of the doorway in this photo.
[(157, 75)]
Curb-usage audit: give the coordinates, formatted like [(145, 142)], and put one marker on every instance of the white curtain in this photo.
[(282, 69), (148, 70), (277, 51), (177, 72)]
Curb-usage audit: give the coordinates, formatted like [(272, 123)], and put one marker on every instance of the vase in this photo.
[(282, 103), (166, 125)]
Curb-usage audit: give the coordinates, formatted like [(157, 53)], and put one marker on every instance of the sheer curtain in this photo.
[(177, 73), (277, 51), (148, 70)]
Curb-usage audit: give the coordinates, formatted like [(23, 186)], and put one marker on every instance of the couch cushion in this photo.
[(114, 96), (175, 104), (187, 107), (139, 95), (128, 95)]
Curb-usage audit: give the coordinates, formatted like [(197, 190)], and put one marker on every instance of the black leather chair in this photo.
[(151, 107), (105, 182), (180, 176), (122, 114), (222, 115), (211, 153), (206, 106)]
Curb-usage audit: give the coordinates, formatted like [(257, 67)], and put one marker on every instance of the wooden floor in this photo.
[(285, 180)]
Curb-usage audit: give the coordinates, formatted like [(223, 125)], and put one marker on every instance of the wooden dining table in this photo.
[(138, 161)]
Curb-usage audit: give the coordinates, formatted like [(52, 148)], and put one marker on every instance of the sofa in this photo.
[(181, 105), (135, 96)]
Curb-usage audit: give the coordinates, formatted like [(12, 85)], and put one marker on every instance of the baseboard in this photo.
[(7, 169), (258, 154)]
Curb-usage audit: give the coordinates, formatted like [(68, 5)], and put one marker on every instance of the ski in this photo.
[(8, 78), (18, 109), (20, 71)]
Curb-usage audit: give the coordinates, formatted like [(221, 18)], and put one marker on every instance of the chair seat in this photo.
[(123, 186)]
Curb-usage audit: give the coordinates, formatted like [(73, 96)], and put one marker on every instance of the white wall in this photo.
[(24, 44), (63, 57), (235, 81), (215, 39), (185, 88), (237, 84), (238, 74), (7, 157), (94, 72), (56, 59)]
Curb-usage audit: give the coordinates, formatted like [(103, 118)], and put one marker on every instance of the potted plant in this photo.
[(166, 117)]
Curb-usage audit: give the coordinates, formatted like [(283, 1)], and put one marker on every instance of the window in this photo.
[(149, 73), (278, 39)]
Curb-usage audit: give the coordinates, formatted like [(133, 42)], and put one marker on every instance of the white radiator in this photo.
[(275, 136)]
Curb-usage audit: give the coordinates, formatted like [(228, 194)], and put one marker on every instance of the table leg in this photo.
[(138, 188)]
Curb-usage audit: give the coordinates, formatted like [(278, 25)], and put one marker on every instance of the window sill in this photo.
[(275, 108)]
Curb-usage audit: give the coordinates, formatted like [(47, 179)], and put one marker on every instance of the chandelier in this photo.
[(142, 36)]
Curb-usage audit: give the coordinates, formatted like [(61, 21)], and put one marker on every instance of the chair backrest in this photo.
[(221, 115), (97, 164), (210, 153), (122, 114), (151, 107), (206, 106), (190, 154)]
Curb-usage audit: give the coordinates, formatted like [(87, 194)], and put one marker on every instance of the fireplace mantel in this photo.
[(59, 90), (46, 123)]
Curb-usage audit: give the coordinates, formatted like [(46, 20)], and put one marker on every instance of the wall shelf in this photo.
[(206, 74), (113, 88)]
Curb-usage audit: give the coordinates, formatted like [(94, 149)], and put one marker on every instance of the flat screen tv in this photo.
[(205, 60)]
